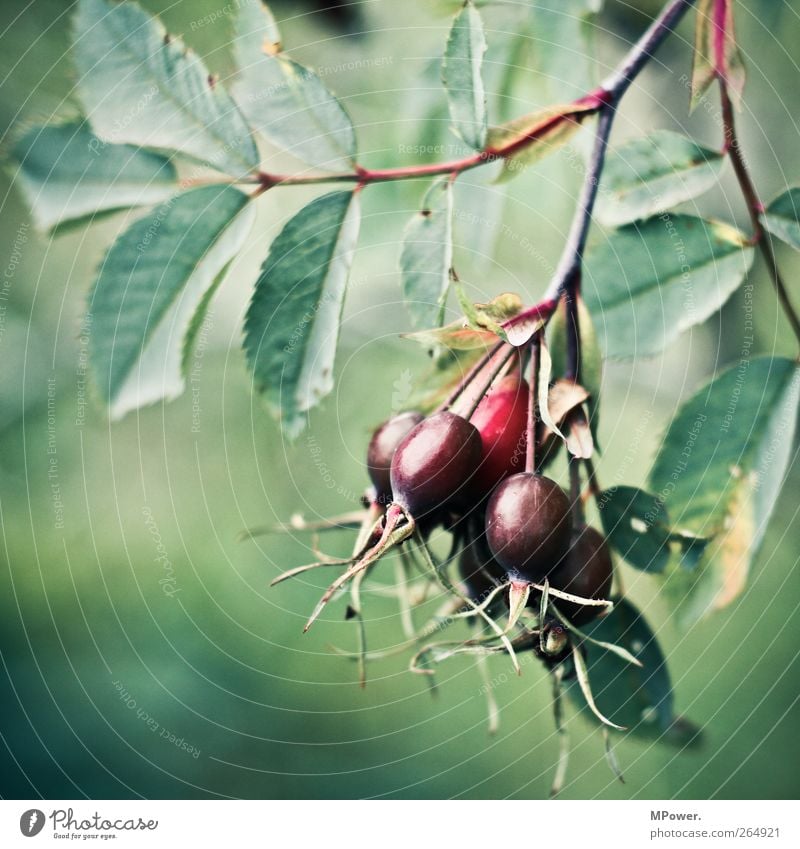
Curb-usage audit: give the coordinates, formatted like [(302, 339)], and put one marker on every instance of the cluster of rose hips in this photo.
[(471, 468)]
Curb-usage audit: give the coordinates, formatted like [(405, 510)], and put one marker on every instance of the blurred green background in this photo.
[(122, 581)]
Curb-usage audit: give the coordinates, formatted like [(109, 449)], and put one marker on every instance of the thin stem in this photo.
[(533, 393), (578, 516), (642, 52), (754, 207), (568, 269), (498, 367), (470, 376)]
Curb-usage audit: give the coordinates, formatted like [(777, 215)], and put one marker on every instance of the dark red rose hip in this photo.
[(587, 571), (381, 449), (502, 420), (528, 525), (434, 462)]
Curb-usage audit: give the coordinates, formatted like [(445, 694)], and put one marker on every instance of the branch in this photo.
[(754, 206), (579, 109), (567, 274), (598, 100)]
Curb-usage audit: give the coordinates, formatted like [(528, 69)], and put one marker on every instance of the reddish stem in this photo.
[(754, 206), (533, 395)]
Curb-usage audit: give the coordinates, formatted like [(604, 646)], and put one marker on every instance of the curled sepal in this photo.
[(487, 688), (612, 647), (441, 576), (586, 688), (611, 756), (299, 570), (561, 730), (354, 611), (297, 522), (518, 594), (577, 599), (398, 525)]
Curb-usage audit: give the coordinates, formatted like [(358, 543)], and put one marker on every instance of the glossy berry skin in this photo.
[(502, 419), (381, 449), (587, 571), (528, 525), (434, 462)]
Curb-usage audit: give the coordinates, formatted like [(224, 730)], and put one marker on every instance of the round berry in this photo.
[(587, 571), (381, 449), (528, 525), (502, 420), (434, 462)]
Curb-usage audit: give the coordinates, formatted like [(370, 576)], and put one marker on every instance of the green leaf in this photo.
[(716, 53), (461, 72), (151, 282), (560, 33), (649, 175), (647, 283), (286, 102), (782, 217), (636, 525), (639, 698), (427, 255), (719, 471), (66, 174), (139, 86), (524, 141), (292, 325)]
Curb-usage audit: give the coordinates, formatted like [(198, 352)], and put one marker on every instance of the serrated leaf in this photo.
[(719, 471), (150, 284), (647, 283), (637, 527), (641, 699), (716, 53), (286, 102), (139, 86), (66, 174), (292, 324), (427, 256), (461, 73), (526, 140), (782, 217), (652, 174)]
